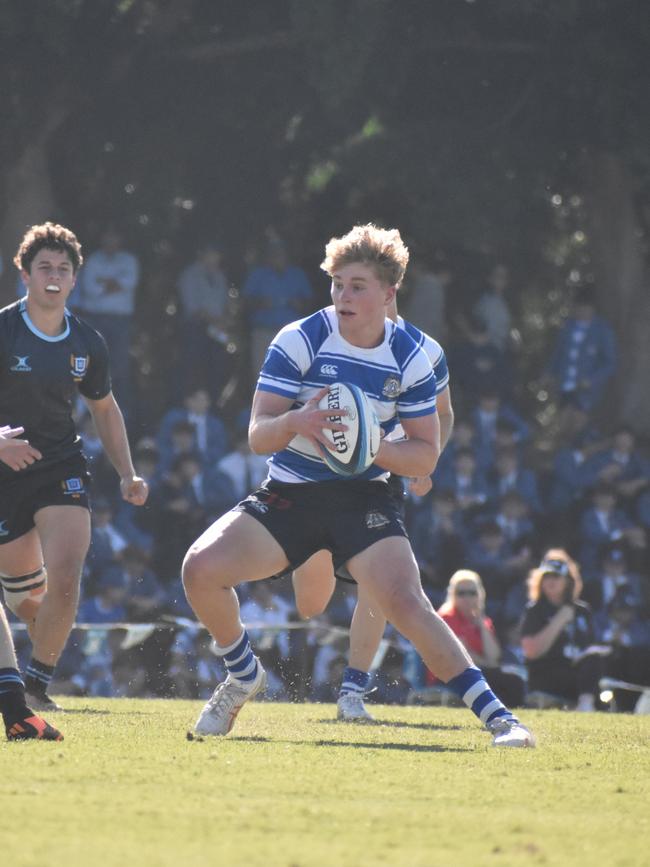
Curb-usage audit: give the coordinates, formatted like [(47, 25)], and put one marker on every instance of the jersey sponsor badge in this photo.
[(375, 520), (392, 387), (255, 504), (78, 366), (73, 487), (21, 365), (329, 370)]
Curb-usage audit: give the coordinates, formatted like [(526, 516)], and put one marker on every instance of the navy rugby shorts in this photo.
[(63, 484), (344, 517)]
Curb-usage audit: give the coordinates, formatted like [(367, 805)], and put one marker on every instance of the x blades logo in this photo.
[(21, 365), (3, 529)]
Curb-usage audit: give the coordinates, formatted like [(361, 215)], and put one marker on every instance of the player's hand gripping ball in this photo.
[(352, 451)]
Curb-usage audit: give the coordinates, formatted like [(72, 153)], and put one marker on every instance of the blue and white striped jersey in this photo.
[(306, 355), (436, 356)]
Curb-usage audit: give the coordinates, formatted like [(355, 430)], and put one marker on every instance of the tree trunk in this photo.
[(29, 196), (623, 284)]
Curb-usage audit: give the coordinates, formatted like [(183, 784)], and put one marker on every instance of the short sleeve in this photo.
[(96, 384)]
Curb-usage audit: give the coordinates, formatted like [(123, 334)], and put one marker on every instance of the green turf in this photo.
[(291, 787)]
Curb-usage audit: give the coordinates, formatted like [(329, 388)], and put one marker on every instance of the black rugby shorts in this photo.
[(63, 484), (344, 517)]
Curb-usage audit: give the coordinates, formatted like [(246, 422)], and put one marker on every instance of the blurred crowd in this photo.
[(506, 490)]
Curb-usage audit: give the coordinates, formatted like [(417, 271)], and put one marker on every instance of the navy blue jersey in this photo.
[(40, 377)]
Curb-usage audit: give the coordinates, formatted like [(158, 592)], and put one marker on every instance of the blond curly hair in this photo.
[(382, 249)]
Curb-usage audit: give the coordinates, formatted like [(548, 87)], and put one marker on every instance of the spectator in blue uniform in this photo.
[(275, 293), (583, 359)]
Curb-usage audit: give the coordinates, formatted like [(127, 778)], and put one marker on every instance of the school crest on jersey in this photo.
[(78, 366), (392, 387)]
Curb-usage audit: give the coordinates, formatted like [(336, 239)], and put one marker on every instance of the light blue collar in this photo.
[(28, 322)]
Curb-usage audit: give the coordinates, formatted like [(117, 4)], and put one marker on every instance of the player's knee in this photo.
[(23, 594), (197, 571), (403, 603), (308, 608)]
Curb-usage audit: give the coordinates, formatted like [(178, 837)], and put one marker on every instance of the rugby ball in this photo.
[(352, 451)]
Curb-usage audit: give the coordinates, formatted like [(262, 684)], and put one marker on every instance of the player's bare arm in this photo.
[(15, 452), (417, 455), (274, 424), (109, 422), (445, 416), (421, 485)]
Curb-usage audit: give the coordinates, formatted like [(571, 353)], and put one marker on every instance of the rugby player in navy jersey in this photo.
[(303, 507), (314, 581), (20, 721), (48, 357)]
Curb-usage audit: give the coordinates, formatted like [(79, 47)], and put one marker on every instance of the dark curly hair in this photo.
[(48, 236)]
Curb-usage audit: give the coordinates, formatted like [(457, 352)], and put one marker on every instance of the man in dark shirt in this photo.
[(47, 357)]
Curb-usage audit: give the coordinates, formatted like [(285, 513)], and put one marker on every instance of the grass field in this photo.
[(291, 787)]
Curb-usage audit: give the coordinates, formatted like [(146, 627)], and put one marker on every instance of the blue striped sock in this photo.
[(239, 659), (475, 691), (38, 676), (354, 680)]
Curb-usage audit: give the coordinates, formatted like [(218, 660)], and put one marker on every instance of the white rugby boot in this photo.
[(351, 708), (509, 732), (219, 714)]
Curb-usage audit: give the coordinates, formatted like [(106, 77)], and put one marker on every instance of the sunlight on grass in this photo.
[(290, 786)]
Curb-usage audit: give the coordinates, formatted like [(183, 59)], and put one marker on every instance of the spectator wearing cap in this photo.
[(558, 636), (203, 302), (275, 293)]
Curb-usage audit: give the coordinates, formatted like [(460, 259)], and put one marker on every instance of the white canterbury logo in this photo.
[(329, 370)]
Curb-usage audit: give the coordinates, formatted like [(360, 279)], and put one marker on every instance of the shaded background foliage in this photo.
[(514, 129)]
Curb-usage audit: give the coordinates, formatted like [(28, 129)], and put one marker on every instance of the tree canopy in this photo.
[(513, 128)]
